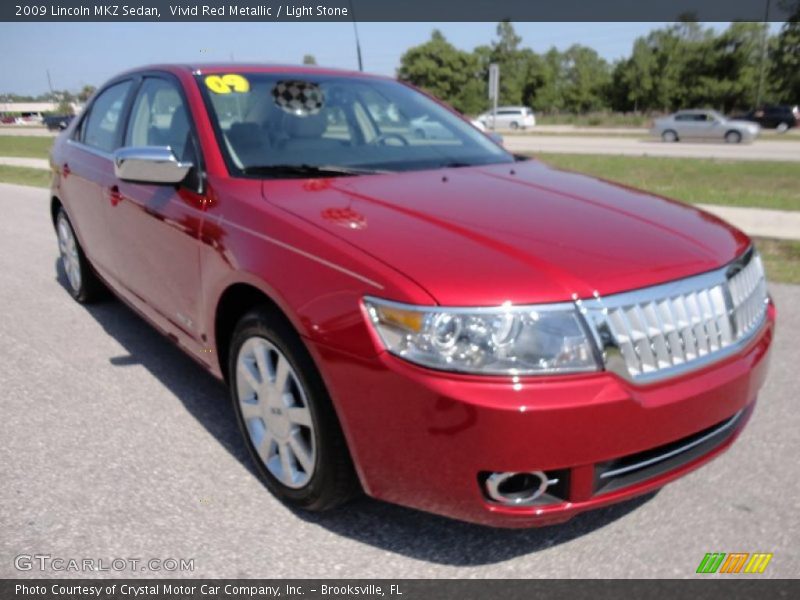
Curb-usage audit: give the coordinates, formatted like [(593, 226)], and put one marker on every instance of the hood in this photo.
[(522, 232)]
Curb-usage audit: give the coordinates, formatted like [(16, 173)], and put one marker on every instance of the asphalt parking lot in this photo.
[(114, 444)]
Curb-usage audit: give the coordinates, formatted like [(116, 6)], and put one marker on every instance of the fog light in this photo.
[(519, 488)]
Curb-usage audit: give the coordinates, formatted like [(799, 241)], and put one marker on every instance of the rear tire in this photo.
[(514, 125), (669, 136), (782, 127), (286, 416), (733, 137), (82, 282)]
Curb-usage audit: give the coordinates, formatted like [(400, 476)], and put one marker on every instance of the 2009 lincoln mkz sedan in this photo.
[(431, 320)]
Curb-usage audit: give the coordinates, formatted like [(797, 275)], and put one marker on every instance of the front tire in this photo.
[(82, 282), (782, 127), (669, 136), (286, 417)]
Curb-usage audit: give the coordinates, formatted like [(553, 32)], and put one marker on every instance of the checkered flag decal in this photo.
[(298, 97)]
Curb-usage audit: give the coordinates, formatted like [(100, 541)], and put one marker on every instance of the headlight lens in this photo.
[(506, 340)]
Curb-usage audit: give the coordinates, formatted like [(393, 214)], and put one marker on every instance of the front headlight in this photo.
[(506, 340)]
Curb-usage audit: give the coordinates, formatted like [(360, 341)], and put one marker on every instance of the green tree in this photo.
[(587, 78), (443, 70), (505, 51), (65, 100), (785, 59), (86, 93)]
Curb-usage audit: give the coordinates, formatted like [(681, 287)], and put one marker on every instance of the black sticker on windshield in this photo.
[(299, 98)]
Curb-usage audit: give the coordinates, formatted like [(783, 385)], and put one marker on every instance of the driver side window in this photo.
[(159, 118)]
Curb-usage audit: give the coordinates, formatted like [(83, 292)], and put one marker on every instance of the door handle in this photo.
[(65, 170), (114, 195)]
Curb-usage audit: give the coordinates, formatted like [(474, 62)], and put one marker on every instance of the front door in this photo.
[(156, 227)]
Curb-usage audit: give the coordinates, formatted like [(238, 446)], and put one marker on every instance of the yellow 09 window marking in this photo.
[(225, 84)]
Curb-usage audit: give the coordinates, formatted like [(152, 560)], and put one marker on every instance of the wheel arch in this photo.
[(55, 206), (235, 301)]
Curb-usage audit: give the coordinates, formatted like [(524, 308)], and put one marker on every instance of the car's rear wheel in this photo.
[(669, 136), (514, 125), (782, 127), (733, 137), (82, 282), (286, 416)]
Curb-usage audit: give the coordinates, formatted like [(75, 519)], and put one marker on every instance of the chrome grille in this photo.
[(661, 331)]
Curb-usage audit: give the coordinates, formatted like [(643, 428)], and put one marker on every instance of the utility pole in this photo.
[(49, 81), (494, 90), (763, 57), (355, 31)]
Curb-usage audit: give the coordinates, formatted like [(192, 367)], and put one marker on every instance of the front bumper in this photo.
[(422, 438)]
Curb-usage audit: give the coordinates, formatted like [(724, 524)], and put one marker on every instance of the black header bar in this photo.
[(398, 10)]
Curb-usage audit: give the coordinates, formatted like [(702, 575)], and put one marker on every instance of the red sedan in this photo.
[(433, 321)]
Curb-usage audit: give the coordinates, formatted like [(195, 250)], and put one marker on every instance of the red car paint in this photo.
[(523, 233)]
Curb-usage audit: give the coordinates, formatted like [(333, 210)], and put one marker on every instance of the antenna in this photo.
[(355, 31)]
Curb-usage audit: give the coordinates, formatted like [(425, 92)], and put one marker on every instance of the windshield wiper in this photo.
[(304, 170)]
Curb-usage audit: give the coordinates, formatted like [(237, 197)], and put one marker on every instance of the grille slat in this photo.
[(670, 327)]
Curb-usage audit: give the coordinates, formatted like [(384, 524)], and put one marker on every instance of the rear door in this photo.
[(87, 171), (157, 226)]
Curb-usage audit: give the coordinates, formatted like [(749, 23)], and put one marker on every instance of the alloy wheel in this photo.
[(276, 412), (68, 248)]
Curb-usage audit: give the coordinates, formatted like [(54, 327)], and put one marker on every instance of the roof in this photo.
[(220, 67)]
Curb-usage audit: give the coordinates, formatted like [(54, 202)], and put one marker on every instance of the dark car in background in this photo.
[(57, 122), (781, 118)]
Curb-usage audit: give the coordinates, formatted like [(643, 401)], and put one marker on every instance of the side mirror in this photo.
[(149, 164)]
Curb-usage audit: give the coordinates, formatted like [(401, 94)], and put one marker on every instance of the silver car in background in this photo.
[(508, 117), (688, 125)]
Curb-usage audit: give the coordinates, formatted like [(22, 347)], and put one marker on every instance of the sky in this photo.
[(90, 53)]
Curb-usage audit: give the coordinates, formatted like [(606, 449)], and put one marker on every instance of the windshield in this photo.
[(301, 125)]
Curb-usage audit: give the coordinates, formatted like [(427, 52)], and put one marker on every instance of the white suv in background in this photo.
[(509, 117)]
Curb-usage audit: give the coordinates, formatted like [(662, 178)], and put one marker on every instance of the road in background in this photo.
[(619, 145), (114, 444), (34, 131)]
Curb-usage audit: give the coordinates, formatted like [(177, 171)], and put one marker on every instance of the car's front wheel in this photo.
[(286, 416), (82, 282), (669, 136), (782, 127)]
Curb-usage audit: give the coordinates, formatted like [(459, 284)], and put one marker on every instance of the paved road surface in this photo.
[(760, 150), (114, 444)]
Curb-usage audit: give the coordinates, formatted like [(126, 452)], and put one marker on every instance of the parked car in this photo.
[(781, 118), (692, 125), (57, 122), (509, 117), (443, 326)]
